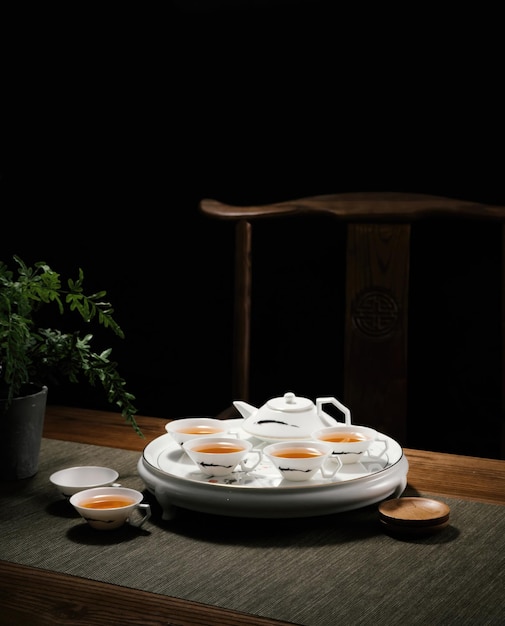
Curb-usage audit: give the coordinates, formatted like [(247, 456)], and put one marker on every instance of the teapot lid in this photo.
[(290, 403)]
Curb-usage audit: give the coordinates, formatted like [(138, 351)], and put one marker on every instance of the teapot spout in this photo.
[(246, 410)]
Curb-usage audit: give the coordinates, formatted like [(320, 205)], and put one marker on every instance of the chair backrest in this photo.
[(377, 268)]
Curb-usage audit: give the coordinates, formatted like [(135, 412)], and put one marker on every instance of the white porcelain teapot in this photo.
[(288, 417)]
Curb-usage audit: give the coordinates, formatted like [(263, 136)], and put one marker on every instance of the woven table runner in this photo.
[(313, 571)]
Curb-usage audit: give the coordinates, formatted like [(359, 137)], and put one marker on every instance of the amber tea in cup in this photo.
[(298, 453), (219, 447), (351, 437), (106, 502), (200, 429)]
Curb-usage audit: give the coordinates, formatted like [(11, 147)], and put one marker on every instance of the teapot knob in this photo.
[(290, 403)]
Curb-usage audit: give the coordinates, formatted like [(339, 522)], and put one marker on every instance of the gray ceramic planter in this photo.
[(21, 434)]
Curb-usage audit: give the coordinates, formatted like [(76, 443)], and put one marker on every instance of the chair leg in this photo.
[(502, 433), (242, 313)]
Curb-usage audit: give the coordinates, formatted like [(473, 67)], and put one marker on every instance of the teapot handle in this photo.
[(324, 416)]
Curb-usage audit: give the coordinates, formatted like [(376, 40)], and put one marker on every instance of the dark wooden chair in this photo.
[(378, 234)]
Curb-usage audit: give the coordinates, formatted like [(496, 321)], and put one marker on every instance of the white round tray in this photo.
[(175, 481)]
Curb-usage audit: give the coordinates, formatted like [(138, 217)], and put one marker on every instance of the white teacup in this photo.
[(300, 460), (349, 443), (74, 479), (187, 428), (106, 508), (220, 456)]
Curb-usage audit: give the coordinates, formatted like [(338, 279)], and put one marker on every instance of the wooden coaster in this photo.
[(414, 515)]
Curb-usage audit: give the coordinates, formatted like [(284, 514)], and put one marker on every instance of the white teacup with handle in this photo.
[(106, 508), (301, 460), (349, 443), (187, 428), (220, 456)]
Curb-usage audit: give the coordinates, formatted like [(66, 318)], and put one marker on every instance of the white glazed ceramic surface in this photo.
[(222, 463), (73, 479), (299, 469), (172, 477), (288, 417), (349, 451), (176, 428), (109, 519)]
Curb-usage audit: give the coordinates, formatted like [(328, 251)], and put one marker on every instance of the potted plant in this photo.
[(32, 356)]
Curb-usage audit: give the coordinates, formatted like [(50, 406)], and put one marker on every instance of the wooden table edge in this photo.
[(31, 596)]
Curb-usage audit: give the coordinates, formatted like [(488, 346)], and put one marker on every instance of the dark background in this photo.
[(117, 123)]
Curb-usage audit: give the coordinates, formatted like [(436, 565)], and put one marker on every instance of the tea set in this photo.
[(302, 438), (315, 463)]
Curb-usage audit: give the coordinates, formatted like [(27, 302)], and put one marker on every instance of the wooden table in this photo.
[(54, 598)]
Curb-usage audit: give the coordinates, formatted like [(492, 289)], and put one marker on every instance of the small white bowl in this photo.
[(74, 479)]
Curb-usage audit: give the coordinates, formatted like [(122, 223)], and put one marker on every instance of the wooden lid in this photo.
[(414, 513)]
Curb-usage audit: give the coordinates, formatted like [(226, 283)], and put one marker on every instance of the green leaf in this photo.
[(32, 354)]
